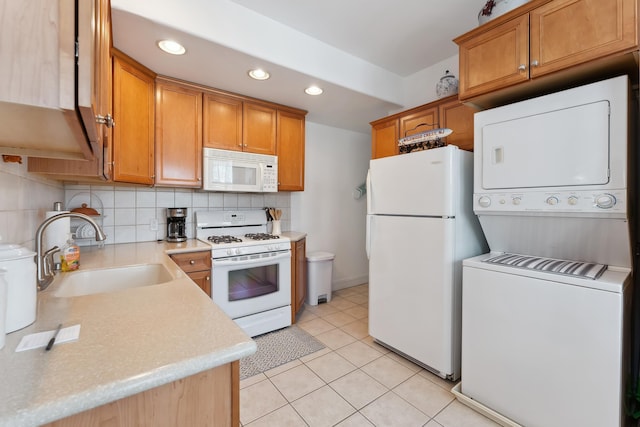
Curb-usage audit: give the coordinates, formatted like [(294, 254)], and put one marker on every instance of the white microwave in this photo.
[(238, 171)]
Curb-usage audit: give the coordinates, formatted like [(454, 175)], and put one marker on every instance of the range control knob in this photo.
[(229, 251), (484, 201), (516, 200), (573, 200), (605, 201), (552, 200), (238, 251)]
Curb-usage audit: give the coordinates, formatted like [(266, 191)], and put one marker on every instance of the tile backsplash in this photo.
[(24, 199), (138, 214)]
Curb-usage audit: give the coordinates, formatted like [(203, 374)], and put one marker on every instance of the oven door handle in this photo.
[(270, 260)]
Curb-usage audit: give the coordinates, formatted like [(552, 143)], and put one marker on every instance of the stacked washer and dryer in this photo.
[(545, 314)]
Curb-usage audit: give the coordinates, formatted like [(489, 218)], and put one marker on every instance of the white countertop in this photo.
[(294, 235), (130, 340)]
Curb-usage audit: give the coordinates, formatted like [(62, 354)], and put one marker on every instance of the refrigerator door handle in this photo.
[(369, 195), (368, 237)]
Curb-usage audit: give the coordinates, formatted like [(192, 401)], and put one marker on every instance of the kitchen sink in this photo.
[(104, 280)]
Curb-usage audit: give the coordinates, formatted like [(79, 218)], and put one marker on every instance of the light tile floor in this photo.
[(353, 382)]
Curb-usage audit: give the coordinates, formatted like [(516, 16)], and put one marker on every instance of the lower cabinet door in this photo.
[(202, 279)]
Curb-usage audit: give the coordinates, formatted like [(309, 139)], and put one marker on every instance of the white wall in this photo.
[(420, 88), (336, 162)]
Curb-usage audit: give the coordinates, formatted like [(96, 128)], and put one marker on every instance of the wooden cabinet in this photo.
[(222, 122), (178, 134), (184, 118), (298, 276), (421, 120), (443, 113), (258, 128), (459, 118), (384, 137), (233, 122), (197, 265), (96, 95), (47, 109), (133, 111), (209, 398), (495, 59), (290, 146), (543, 37)]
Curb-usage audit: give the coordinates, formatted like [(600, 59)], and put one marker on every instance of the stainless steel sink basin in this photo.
[(104, 280)]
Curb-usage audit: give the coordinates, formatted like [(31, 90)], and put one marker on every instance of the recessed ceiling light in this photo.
[(313, 90), (259, 74), (171, 47)]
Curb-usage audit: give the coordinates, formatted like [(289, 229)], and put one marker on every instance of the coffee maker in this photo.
[(176, 224)]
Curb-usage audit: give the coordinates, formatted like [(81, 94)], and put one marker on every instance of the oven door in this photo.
[(251, 284)]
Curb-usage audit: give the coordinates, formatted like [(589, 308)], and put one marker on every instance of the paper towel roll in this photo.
[(57, 233)]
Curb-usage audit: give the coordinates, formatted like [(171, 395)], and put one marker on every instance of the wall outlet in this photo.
[(153, 225)]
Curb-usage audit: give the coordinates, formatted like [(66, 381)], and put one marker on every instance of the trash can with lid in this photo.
[(319, 270)]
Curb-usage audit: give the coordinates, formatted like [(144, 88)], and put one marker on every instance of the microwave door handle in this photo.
[(280, 256), (259, 182)]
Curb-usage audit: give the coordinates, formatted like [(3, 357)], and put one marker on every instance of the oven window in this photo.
[(253, 282)]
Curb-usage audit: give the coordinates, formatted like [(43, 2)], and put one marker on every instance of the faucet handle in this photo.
[(48, 260)]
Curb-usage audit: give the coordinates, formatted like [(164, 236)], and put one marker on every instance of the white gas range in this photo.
[(251, 269)]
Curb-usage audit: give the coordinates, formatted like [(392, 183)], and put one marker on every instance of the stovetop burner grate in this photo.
[(260, 236), (223, 239)]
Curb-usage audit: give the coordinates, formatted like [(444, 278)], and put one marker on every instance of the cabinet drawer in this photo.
[(193, 261)]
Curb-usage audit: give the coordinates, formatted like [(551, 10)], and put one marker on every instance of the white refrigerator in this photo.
[(420, 226)]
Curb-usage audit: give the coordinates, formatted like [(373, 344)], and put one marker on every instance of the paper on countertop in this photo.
[(41, 339)]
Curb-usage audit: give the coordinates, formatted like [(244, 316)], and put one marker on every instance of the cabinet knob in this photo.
[(535, 63), (522, 67), (207, 278), (192, 262)]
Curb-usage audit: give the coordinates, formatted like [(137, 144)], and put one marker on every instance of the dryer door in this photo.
[(567, 147)]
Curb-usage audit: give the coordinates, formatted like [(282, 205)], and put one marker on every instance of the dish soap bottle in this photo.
[(70, 255)]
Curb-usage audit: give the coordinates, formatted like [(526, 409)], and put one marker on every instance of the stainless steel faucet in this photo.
[(45, 271)]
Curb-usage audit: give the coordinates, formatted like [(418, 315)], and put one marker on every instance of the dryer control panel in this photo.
[(607, 203)]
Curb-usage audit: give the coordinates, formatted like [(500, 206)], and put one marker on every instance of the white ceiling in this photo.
[(361, 52)]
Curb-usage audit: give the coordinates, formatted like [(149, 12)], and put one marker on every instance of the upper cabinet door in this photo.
[(290, 151), (420, 121), (133, 110), (569, 32), (259, 128), (178, 135), (384, 138), (495, 59), (459, 118), (222, 122), (38, 96)]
